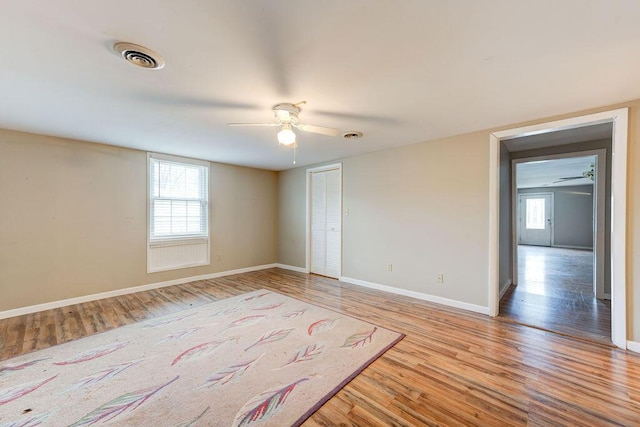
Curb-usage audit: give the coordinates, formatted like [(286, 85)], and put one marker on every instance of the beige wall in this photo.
[(73, 219), (406, 207), (424, 208), (292, 221)]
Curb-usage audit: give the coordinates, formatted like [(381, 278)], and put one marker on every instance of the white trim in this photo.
[(618, 218), (93, 297), (418, 295), (515, 221), (504, 288), (570, 123), (494, 225), (633, 346), (599, 218), (178, 159), (308, 173), (619, 228), (176, 267), (293, 268), (177, 241), (307, 217), (325, 168)]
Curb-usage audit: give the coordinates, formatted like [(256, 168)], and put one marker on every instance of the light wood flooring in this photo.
[(452, 368), (555, 292)]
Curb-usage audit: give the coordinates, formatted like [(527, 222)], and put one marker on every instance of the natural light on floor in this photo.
[(534, 275)]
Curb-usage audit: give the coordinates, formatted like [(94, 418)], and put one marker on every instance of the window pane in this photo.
[(179, 195), (178, 208), (535, 214), (179, 181), (162, 226), (193, 210), (193, 225), (162, 208), (155, 187), (178, 225), (192, 183)]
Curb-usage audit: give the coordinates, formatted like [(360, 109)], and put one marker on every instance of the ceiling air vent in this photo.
[(139, 55), (352, 135)]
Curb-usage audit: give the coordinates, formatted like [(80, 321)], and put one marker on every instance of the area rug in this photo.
[(256, 359)]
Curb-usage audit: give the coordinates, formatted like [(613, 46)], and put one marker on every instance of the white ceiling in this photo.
[(401, 72), (549, 173)]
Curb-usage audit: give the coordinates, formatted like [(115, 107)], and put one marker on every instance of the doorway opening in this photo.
[(560, 255), (562, 133)]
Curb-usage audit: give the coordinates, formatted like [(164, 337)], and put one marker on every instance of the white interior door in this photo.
[(326, 222), (535, 223)]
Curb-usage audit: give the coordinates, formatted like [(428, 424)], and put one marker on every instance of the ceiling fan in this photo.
[(589, 174), (287, 118)]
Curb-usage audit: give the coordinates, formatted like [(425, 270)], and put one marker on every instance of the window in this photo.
[(178, 213), (178, 198), (535, 214)]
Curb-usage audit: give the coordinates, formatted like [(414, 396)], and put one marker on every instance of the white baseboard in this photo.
[(418, 295), (504, 288), (86, 298), (633, 346), (292, 268)]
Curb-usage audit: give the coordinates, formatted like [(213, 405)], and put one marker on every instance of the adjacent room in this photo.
[(220, 213), (556, 222)]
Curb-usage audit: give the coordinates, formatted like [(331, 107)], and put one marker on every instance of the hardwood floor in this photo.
[(452, 368), (555, 292)]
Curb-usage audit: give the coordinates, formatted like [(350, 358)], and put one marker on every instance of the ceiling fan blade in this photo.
[(568, 178), (318, 129), (253, 124)]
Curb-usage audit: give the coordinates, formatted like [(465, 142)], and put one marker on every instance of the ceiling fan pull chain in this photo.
[(294, 153)]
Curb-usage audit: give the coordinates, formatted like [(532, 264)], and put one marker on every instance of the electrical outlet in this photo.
[(389, 267), (440, 278)]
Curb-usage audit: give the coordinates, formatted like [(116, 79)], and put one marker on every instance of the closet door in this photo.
[(326, 223), (318, 222)]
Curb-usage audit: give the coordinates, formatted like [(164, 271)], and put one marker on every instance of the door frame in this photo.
[(309, 173), (517, 229), (620, 120), (599, 208)]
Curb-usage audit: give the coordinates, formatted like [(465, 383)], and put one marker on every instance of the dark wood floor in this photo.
[(452, 368), (555, 292)]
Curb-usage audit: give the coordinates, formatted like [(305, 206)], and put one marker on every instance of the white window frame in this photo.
[(186, 246)]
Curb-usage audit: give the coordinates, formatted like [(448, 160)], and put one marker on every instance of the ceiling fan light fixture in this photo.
[(286, 136)]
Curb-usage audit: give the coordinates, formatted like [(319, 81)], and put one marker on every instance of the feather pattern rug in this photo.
[(256, 359)]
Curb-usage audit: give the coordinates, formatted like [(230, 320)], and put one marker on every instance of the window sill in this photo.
[(178, 241)]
